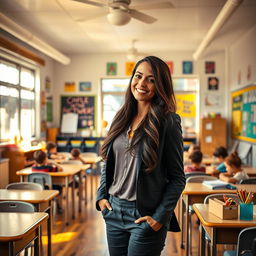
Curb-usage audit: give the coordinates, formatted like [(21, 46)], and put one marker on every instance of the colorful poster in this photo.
[(170, 66), (186, 105), (212, 100), (187, 67), (244, 114), (69, 87), (85, 86), (209, 67), (49, 107), (213, 83), (111, 68), (129, 66)]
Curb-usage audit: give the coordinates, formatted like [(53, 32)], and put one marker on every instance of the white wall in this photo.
[(92, 67), (242, 54)]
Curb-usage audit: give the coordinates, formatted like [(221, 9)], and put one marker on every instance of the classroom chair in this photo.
[(190, 174), (248, 181), (195, 179), (25, 186), (44, 179), (17, 206), (246, 243)]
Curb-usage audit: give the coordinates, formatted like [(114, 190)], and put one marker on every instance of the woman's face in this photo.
[(143, 83)]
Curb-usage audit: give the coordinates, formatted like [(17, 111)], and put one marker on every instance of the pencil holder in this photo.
[(246, 211)]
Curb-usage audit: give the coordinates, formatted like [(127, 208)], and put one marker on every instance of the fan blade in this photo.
[(142, 16), (93, 15), (91, 3), (152, 6)]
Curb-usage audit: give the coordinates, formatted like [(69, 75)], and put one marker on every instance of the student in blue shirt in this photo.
[(220, 154)]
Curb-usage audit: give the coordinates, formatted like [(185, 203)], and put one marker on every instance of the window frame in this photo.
[(20, 63)]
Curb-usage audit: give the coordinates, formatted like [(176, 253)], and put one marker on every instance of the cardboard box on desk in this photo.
[(218, 208)]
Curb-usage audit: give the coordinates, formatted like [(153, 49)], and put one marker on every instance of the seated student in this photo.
[(76, 155), (220, 154), (192, 148), (234, 171), (43, 165), (196, 160), (52, 153)]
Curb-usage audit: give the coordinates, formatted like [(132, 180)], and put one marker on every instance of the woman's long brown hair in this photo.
[(147, 133)]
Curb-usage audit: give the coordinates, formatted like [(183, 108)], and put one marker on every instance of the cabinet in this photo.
[(213, 133), (18, 159), (85, 144), (4, 172), (52, 133)]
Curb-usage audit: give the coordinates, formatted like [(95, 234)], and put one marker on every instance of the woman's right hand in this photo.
[(103, 204)]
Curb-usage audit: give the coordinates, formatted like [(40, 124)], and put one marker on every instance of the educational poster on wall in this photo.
[(170, 66), (111, 68), (84, 106), (49, 107), (186, 105), (129, 66), (244, 114), (69, 87)]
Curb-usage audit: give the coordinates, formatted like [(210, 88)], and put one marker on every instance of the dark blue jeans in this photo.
[(126, 238)]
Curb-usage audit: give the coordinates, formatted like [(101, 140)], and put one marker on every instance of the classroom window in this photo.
[(113, 92), (17, 101)]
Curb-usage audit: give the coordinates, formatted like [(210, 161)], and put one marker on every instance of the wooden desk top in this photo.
[(14, 226), (210, 220), (200, 189), (31, 196), (69, 169), (249, 170)]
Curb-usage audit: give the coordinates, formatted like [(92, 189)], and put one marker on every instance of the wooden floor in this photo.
[(86, 234)]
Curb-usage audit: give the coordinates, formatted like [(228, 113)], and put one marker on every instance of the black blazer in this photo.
[(159, 191)]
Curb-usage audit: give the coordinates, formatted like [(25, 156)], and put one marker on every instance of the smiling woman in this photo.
[(140, 185)]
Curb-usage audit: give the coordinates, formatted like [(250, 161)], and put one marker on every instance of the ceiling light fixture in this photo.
[(118, 17), (24, 35), (225, 13)]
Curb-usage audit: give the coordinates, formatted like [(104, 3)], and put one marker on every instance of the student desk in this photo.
[(220, 231), (64, 178), (40, 199), (17, 230), (251, 171), (195, 193)]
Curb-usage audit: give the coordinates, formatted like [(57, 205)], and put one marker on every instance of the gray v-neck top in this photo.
[(124, 180)]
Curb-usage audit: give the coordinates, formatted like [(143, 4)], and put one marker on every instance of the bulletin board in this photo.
[(84, 106), (243, 123)]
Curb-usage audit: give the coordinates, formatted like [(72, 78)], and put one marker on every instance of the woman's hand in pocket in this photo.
[(103, 204), (151, 222)]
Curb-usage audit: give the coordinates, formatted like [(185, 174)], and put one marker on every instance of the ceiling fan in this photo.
[(133, 52), (119, 13)]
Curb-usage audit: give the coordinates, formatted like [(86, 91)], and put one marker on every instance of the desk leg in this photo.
[(49, 230), (85, 188), (67, 206), (182, 211), (80, 191), (186, 227), (36, 241), (73, 198), (202, 241), (12, 248), (213, 243)]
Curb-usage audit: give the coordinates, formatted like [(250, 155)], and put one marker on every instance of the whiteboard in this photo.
[(69, 123)]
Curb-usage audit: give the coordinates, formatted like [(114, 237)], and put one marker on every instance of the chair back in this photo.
[(25, 186), (16, 206), (190, 174), (248, 181), (220, 196), (44, 179), (199, 178), (246, 244)]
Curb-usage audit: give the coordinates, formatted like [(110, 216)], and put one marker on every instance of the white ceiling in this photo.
[(177, 29)]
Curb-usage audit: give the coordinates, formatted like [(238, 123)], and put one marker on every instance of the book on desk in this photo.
[(218, 184)]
